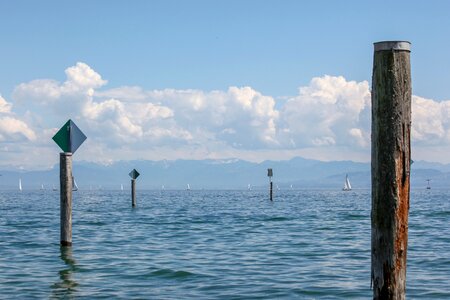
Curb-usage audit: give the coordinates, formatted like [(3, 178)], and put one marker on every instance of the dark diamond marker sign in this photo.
[(134, 174), (69, 137)]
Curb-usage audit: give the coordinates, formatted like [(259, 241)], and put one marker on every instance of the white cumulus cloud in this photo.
[(5, 107), (11, 128), (83, 77), (330, 111), (430, 121)]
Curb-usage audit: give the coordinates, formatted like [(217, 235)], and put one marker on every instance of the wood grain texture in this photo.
[(133, 192), (271, 191), (65, 180), (391, 155)]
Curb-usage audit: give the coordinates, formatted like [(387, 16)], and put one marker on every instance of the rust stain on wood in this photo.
[(402, 207)]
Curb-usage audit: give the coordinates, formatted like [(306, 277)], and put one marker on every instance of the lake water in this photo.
[(307, 244)]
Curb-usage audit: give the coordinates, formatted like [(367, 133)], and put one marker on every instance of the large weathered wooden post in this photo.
[(68, 138), (270, 174), (391, 159), (133, 174)]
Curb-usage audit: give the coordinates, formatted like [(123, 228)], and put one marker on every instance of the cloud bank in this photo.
[(328, 119)]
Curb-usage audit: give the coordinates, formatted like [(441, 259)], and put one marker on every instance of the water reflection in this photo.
[(66, 287)]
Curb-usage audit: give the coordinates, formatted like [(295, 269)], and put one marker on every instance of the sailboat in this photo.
[(291, 187), (428, 186), (188, 188), (74, 185), (20, 184), (42, 187), (347, 185), (121, 187), (249, 187), (54, 188)]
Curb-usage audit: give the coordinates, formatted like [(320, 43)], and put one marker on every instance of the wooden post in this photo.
[(270, 174), (133, 192), (65, 180), (391, 158), (271, 190)]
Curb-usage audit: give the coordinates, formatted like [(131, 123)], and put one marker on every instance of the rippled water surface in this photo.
[(307, 244)]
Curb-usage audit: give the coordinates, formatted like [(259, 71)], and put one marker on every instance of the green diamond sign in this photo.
[(134, 174), (69, 137)]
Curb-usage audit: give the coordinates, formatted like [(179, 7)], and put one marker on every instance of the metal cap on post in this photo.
[(392, 45)]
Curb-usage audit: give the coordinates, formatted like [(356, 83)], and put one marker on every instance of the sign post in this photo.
[(270, 174), (68, 138), (133, 174)]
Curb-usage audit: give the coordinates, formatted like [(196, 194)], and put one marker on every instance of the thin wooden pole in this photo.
[(391, 156), (133, 192), (65, 181), (271, 190)]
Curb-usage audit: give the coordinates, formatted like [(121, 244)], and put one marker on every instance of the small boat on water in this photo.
[(20, 184), (347, 185), (188, 188), (249, 187), (121, 187), (428, 185), (54, 188), (74, 185)]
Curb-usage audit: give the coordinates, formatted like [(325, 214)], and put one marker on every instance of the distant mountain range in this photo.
[(221, 174)]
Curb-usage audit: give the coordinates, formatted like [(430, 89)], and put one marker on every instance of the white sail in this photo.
[(74, 184), (121, 187), (249, 187), (347, 181), (188, 187), (291, 187), (42, 187), (54, 188), (347, 185), (20, 184), (162, 187)]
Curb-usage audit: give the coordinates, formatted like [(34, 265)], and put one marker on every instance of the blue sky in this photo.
[(272, 47)]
